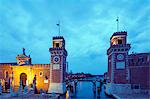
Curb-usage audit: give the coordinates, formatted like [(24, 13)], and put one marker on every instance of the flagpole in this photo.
[(58, 24), (59, 27), (117, 24)]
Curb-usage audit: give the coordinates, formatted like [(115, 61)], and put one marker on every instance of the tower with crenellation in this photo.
[(118, 69), (58, 66)]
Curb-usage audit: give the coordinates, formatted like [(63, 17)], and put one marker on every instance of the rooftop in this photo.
[(119, 33), (58, 37)]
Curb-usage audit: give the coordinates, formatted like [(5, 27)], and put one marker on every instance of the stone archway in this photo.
[(23, 78)]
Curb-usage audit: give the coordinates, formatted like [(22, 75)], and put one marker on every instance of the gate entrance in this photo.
[(23, 78)]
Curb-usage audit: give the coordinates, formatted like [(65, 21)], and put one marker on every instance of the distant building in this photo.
[(11, 74), (126, 72)]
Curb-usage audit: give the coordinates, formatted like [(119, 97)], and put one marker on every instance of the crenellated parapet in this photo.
[(120, 48), (58, 37), (58, 51), (119, 34), (41, 66)]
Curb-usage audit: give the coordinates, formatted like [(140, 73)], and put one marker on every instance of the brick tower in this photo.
[(58, 66), (118, 71)]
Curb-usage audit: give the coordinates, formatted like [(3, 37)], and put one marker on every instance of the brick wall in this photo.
[(139, 66)]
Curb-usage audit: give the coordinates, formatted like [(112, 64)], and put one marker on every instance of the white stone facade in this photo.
[(112, 88), (57, 88)]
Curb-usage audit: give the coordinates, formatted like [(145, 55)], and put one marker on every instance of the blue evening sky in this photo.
[(86, 25)]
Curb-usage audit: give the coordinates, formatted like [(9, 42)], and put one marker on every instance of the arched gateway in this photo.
[(23, 78)]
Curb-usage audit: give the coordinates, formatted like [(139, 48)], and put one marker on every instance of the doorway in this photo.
[(23, 78)]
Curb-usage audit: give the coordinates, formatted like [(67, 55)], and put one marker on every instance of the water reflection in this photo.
[(85, 91)]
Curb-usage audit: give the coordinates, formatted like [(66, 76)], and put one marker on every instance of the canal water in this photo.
[(85, 91)]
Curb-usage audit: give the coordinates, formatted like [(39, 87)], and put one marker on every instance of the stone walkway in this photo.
[(132, 96), (34, 96)]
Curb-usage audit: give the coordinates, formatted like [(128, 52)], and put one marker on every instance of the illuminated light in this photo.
[(46, 81), (27, 81), (67, 94)]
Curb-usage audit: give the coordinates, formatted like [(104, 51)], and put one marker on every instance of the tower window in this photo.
[(119, 41), (57, 44)]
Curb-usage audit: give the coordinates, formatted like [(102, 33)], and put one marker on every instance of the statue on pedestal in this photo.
[(34, 85), (20, 88)]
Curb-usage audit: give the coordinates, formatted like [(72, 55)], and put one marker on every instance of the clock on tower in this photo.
[(120, 56)]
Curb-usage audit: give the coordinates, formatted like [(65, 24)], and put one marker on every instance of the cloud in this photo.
[(86, 25)]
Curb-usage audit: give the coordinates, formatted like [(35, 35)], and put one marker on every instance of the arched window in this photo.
[(41, 73), (119, 41)]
